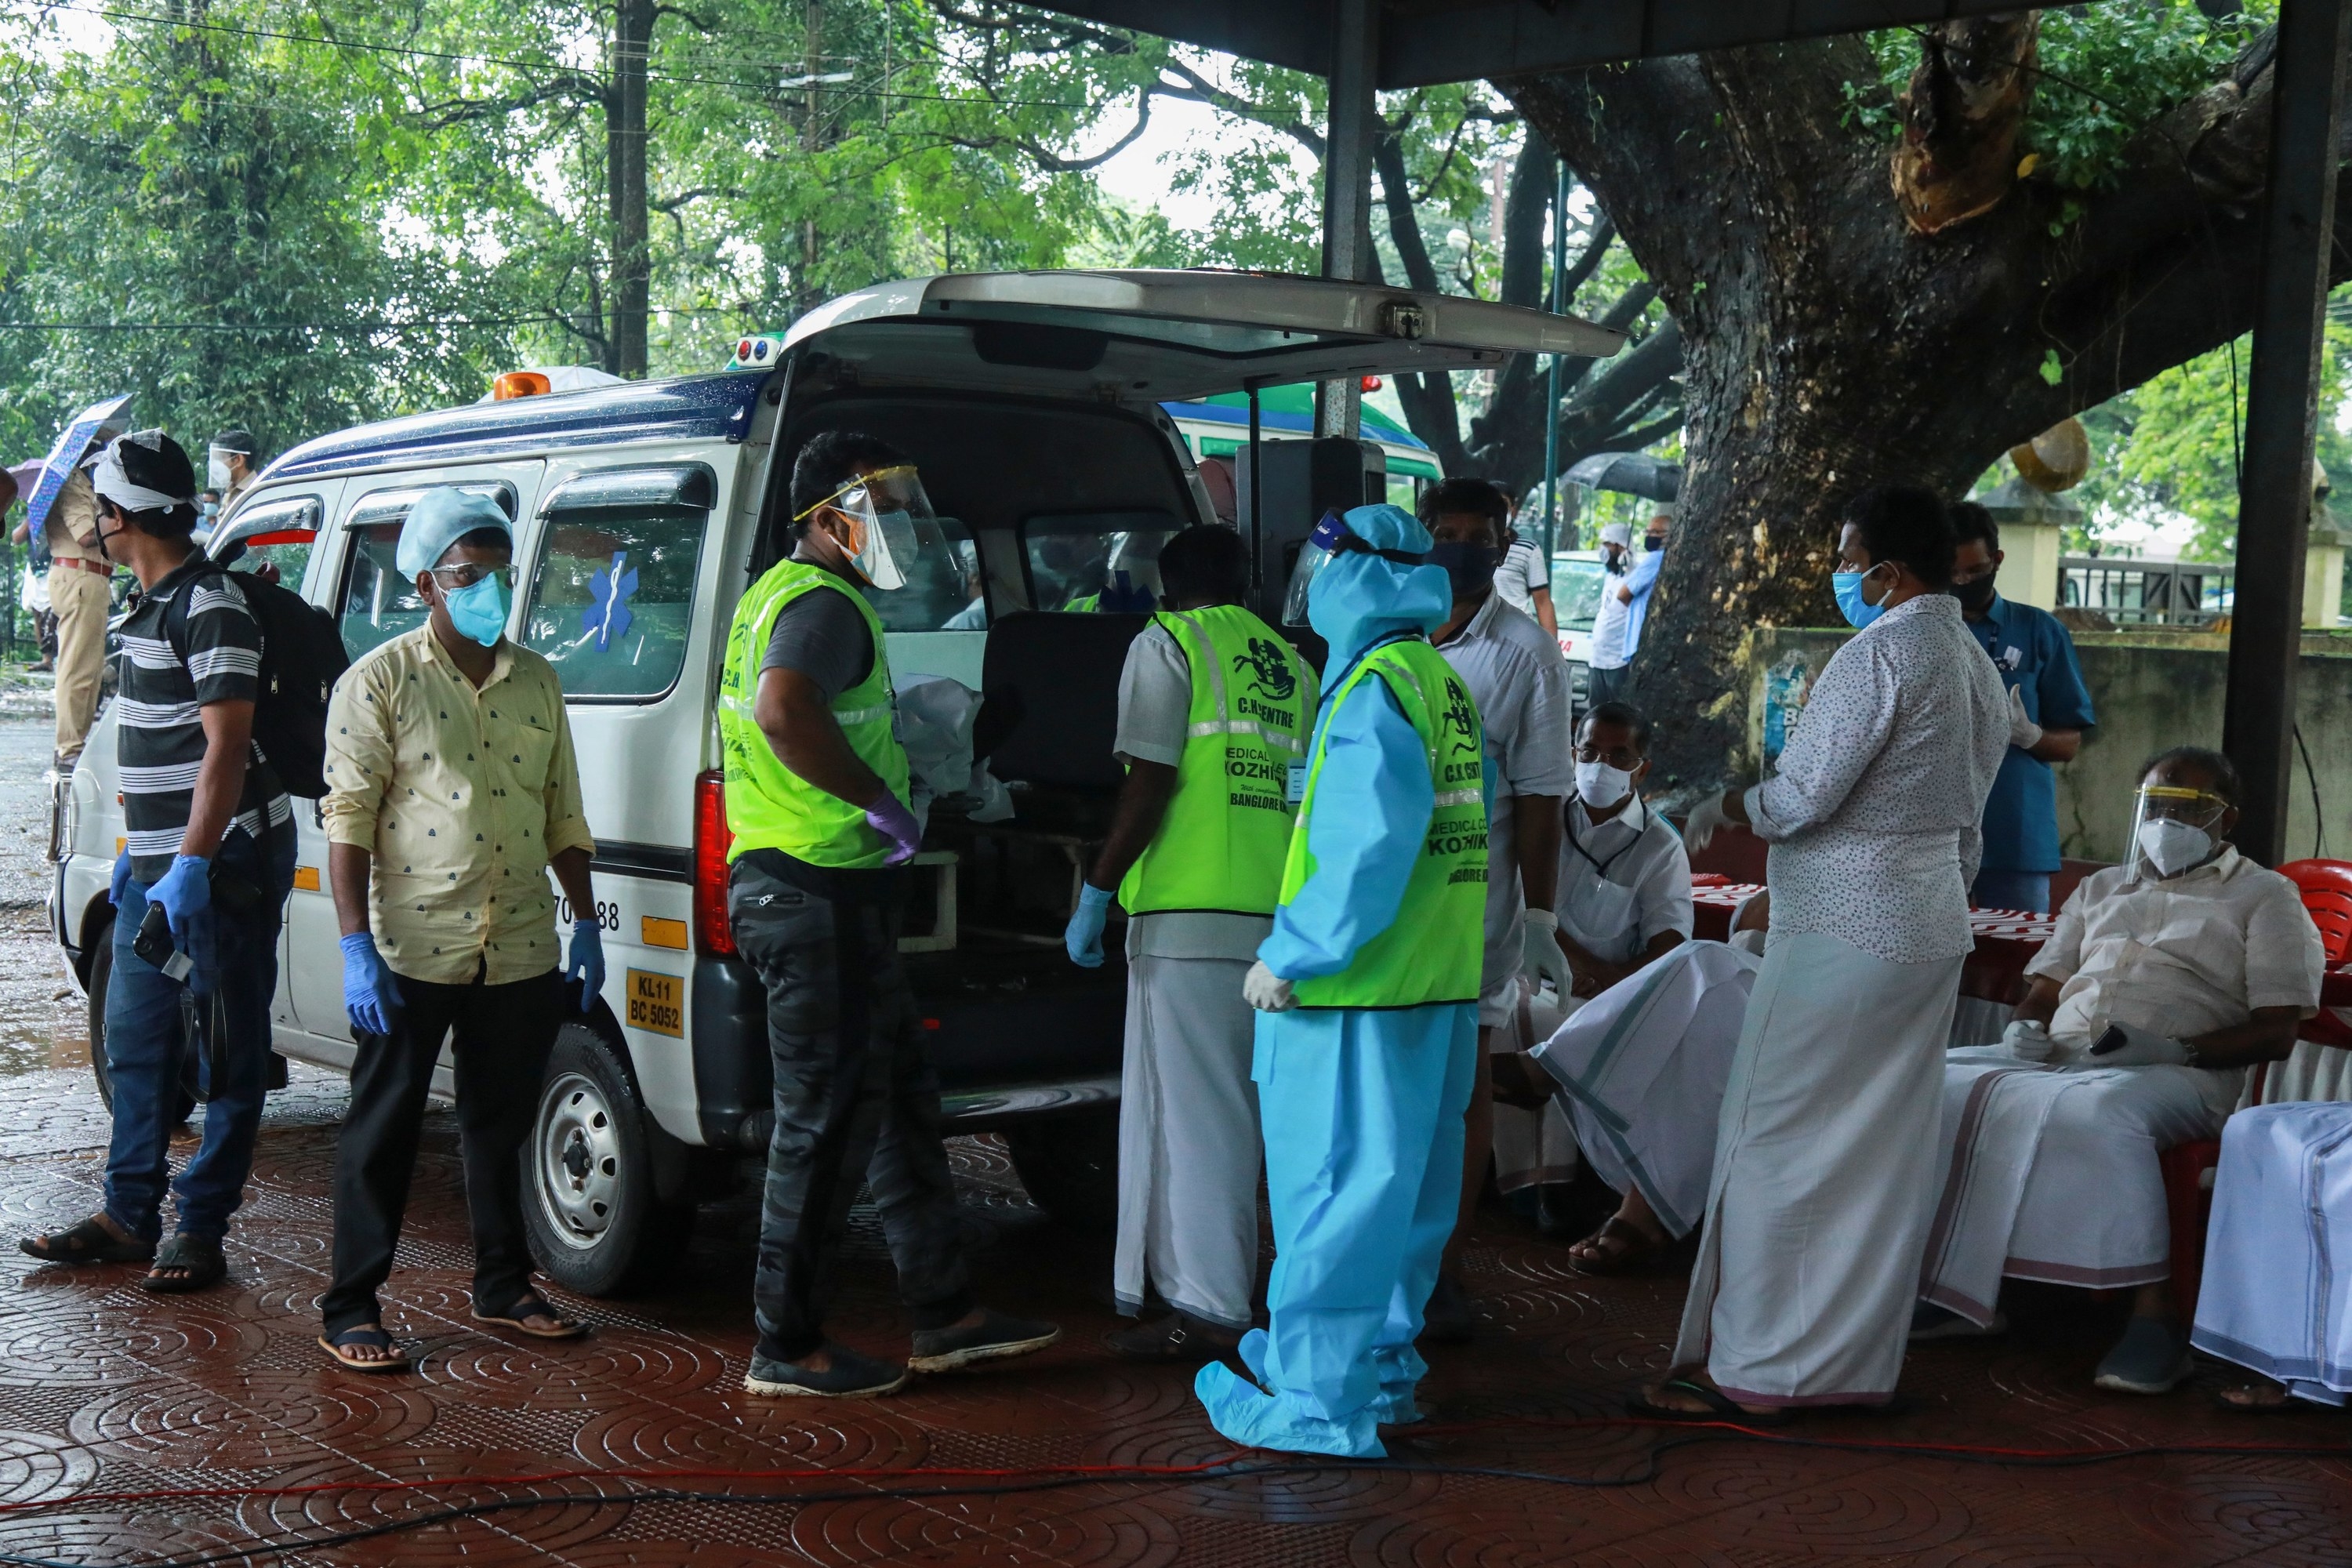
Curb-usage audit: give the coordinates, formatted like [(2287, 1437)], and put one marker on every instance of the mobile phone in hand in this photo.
[(2110, 1041), (153, 944)]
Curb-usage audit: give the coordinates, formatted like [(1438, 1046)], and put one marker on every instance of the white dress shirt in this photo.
[(2178, 955), (1872, 817), (1622, 881)]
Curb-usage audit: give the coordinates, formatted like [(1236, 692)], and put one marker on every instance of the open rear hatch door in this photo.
[(1142, 336)]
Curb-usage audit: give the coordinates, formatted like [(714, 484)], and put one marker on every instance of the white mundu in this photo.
[(1623, 882), (1642, 1067), (2277, 1297), (2052, 1171)]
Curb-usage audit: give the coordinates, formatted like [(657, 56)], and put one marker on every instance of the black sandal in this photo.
[(89, 1242), (205, 1266), (532, 1306), (375, 1338), (1720, 1407)]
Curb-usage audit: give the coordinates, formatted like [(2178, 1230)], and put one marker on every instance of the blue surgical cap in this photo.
[(439, 519)]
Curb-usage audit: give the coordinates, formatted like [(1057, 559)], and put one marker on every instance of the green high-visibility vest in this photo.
[(769, 807), (1221, 845), (1431, 952)]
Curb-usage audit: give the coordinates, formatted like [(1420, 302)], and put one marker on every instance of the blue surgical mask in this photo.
[(480, 612), (1858, 611)]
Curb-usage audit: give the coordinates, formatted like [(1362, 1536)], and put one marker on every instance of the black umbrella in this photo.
[(1631, 473)]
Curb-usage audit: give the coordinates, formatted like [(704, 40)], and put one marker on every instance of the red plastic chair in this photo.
[(2326, 888)]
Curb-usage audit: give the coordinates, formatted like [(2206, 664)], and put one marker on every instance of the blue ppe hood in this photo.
[(1357, 599)]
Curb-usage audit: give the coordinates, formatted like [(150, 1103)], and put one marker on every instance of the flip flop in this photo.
[(203, 1260), (89, 1242), (1643, 1247), (371, 1335), (532, 1306), (1720, 1407)]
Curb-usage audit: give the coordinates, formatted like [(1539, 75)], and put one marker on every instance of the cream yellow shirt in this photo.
[(461, 796)]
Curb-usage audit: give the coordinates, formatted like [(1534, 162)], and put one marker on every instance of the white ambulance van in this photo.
[(1032, 402)]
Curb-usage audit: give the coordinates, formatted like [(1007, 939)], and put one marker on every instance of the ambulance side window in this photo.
[(612, 599), (379, 603)]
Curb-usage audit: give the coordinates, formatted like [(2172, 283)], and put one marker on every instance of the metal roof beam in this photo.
[(1422, 42)]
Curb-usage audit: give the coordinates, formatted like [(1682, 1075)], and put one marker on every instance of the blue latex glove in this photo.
[(121, 879), (889, 817), (1084, 935), (370, 995), (185, 891), (586, 963)]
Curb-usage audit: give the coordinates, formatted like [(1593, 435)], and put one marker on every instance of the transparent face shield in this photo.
[(893, 535), (1131, 580), (2175, 828), (1331, 538)]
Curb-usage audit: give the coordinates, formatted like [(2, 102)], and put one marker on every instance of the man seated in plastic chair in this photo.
[(2167, 978), (2272, 1302)]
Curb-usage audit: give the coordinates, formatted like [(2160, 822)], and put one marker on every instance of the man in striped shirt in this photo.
[(209, 836)]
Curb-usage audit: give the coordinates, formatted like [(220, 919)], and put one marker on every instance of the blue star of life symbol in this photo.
[(607, 615)]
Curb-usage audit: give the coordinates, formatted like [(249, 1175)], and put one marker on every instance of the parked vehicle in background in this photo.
[(1033, 404), (1577, 577)]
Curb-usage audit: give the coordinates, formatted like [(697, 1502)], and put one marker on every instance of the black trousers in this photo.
[(504, 1034), (856, 1095)]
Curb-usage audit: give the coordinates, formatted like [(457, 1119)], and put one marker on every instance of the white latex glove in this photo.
[(2023, 732), (1265, 990), (2141, 1048), (1540, 949), (1704, 818), (2029, 1041)]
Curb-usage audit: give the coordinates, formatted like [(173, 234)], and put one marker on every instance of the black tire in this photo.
[(1070, 1165), (101, 970), (596, 1224)]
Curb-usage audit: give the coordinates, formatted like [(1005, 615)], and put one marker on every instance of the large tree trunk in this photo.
[(1827, 346)]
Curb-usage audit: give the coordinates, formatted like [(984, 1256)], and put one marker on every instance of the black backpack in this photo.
[(302, 656)]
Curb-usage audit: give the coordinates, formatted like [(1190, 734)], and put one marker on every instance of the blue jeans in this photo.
[(2027, 890), (144, 1047)]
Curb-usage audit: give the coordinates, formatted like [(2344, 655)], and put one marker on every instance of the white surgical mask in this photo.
[(1598, 785), (215, 472), (2173, 847)]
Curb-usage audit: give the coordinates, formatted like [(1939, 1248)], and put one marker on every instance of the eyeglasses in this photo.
[(1624, 758), (466, 573), (1962, 579)]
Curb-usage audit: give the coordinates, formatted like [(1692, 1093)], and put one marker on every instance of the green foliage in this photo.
[(2170, 448), (2106, 71)]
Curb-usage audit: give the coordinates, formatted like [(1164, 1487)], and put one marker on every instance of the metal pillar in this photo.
[(1348, 185), (2282, 384), (1551, 376)]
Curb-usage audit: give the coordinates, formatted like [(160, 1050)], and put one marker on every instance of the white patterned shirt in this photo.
[(1872, 817)]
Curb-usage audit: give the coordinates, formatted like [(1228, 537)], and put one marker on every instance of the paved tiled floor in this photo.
[(103, 1388)]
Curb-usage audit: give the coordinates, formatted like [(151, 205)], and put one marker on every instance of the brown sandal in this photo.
[(1635, 1246), (532, 1306)]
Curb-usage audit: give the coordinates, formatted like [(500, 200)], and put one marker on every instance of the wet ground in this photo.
[(144, 1429)]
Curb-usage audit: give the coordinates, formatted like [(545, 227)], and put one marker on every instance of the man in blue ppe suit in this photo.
[(1367, 996)]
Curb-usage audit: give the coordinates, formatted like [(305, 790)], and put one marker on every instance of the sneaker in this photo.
[(1177, 1337), (1929, 1322), (850, 1376), (993, 1338), (1448, 1319), (2151, 1358)]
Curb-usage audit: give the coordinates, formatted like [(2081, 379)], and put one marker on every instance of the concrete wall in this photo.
[(2151, 689)]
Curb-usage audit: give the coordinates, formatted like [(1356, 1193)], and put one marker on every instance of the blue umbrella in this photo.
[(98, 422)]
